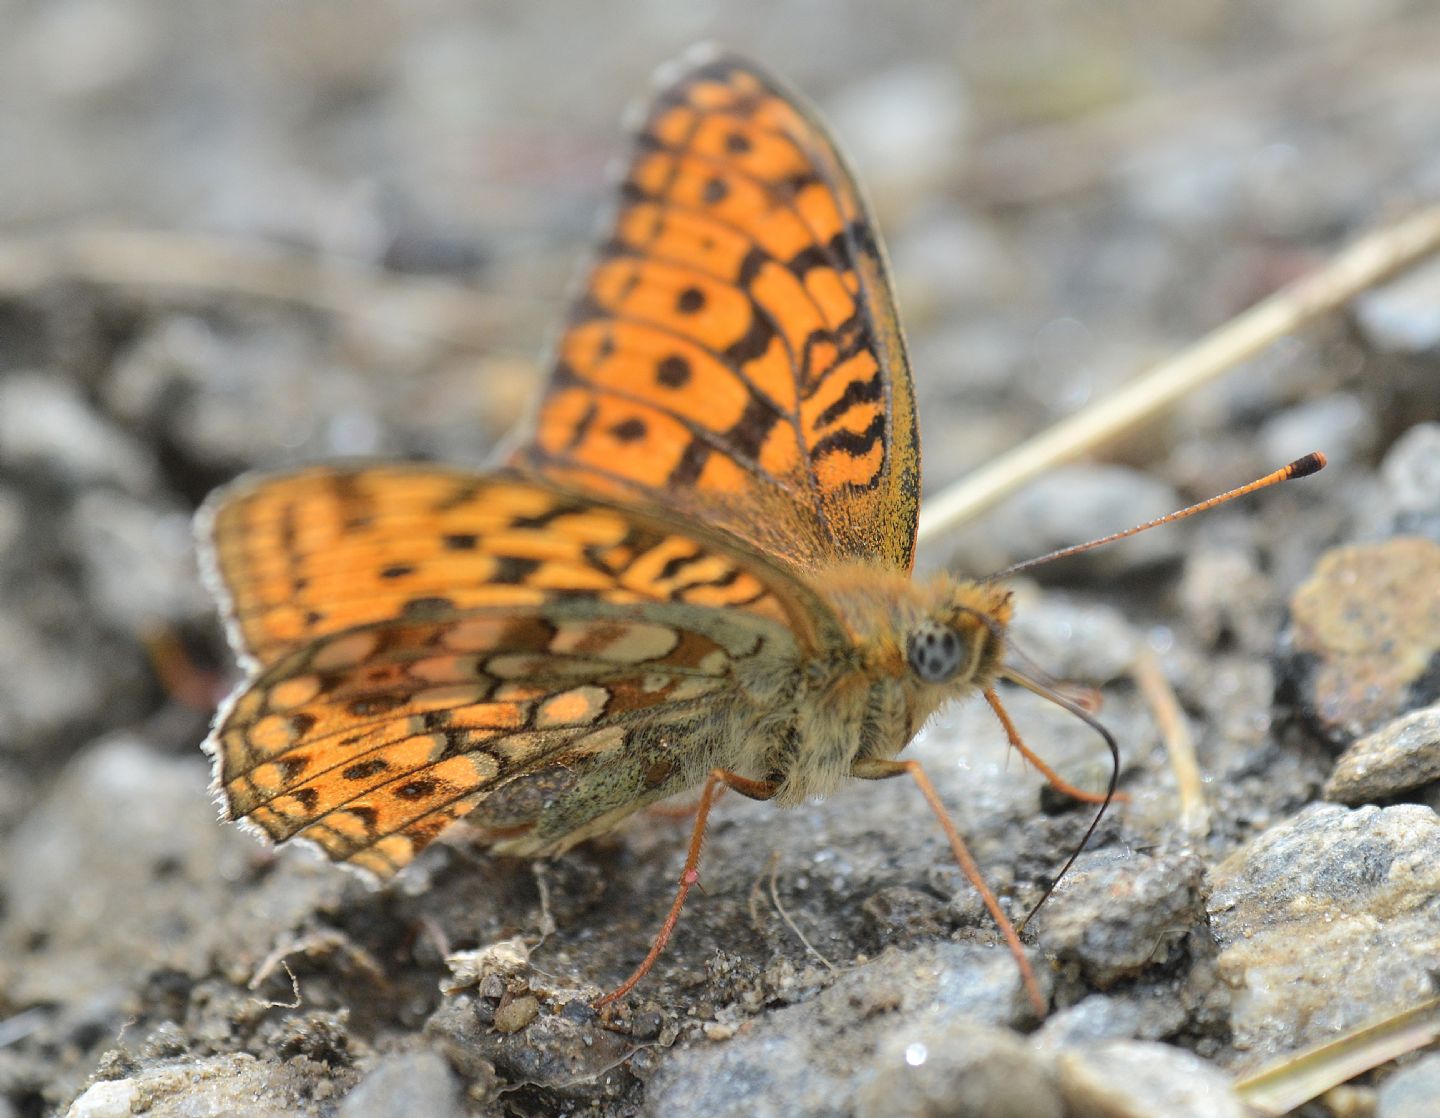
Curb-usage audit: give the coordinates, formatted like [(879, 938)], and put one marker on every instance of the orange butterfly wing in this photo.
[(736, 354), (428, 643), (293, 558), (369, 743)]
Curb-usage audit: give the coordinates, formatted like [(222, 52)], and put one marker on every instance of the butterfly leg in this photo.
[(877, 769), (1058, 782), (684, 810), (715, 783)]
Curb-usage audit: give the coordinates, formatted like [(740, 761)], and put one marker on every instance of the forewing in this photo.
[(371, 742), (294, 558), (736, 354)]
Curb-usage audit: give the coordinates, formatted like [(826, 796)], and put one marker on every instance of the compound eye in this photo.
[(935, 652)]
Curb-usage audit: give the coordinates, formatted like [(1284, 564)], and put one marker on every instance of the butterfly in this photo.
[(693, 571)]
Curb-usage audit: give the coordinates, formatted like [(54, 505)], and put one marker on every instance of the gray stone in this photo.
[(956, 1068), (1117, 912), (1411, 472), (1339, 424), (1404, 315), (1399, 756), (906, 127), (1326, 921), (1073, 504), (570, 1055), (44, 684), (45, 422), (800, 1060), (1136, 1079), (238, 1086), (1412, 1092), (1111, 1017), (413, 1083), (125, 821), (139, 561)]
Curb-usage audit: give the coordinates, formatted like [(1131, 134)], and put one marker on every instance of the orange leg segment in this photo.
[(715, 783), (876, 769), (1058, 782)]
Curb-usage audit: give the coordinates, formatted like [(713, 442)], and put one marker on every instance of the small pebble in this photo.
[(1411, 471), (515, 1015), (1339, 424), (1403, 316), (1139, 1079), (955, 1070), (412, 1083), (46, 423), (1117, 912), (1412, 1092), (1367, 625), (1401, 755)]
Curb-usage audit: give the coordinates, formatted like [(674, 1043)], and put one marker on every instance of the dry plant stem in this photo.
[(1179, 744), (715, 783), (1366, 263), (785, 916), (877, 769), (1056, 781), (1295, 1079)]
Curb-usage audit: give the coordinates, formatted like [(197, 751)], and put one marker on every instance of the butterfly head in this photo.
[(959, 641)]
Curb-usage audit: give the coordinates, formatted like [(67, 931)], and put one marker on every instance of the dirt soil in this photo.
[(244, 237)]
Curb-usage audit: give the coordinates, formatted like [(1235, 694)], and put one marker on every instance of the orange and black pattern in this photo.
[(372, 741), (311, 554), (736, 354)]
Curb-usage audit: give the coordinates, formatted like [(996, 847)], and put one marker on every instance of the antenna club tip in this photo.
[(1312, 463)]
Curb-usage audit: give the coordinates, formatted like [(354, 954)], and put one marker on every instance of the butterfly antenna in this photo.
[(1301, 467), (1014, 675)]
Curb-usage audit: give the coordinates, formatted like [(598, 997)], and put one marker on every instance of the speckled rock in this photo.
[(125, 821), (1134, 1079), (1226, 596), (1399, 756), (1111, 1017), (802, 1059), (237, 1085), (1075, 641), (1368, 619), (1117, 912), (399, 1086), (565, 1051), (956, 1068), (1327, 921)]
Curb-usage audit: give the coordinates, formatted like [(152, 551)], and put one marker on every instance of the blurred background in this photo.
[(238, 236)]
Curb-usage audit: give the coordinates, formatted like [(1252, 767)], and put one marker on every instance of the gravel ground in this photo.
[(246, 236)]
